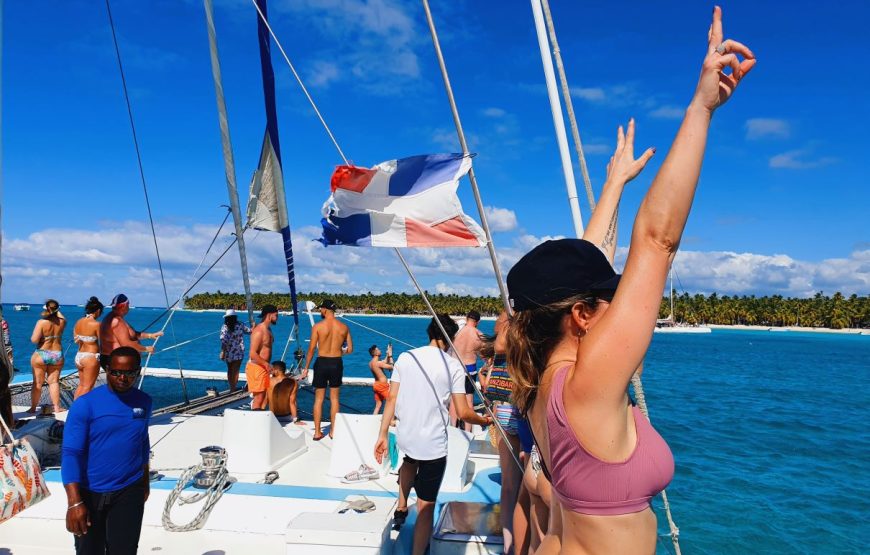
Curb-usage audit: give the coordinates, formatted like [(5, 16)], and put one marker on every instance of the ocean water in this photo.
[(768, 429)]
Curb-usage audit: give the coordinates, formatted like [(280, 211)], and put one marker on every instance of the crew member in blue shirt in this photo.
[(105, 460)]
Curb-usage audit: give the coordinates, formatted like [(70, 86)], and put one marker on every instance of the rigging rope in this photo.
[(472, 177), (195, 283), (301, 84), (569, 104), (640, 398), (173, 311), (396, 339), (142, 176), (398, 253), (177, 345)]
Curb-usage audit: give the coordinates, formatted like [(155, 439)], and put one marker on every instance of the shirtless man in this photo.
[(381, 385), (282, 392), (328, 336), (468, 342), (259, 367), (116, 332)]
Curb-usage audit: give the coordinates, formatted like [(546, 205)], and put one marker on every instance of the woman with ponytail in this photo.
[(86, 335), (47, 360)]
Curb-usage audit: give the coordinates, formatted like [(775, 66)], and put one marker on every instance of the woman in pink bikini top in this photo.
[(576, 338)]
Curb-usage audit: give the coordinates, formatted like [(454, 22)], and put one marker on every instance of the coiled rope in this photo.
[(211, 496)]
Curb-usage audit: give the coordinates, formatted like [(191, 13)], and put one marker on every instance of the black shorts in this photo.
[(469, 388), (427, 482), (328, 372)]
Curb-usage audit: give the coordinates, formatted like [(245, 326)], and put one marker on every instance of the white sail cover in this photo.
[(267, 210)]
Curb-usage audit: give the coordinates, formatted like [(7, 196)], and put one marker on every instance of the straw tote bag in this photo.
[(21, 480)]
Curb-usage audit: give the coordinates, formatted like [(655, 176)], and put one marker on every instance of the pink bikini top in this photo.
[(586, 484)]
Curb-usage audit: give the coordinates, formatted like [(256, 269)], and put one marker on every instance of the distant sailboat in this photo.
[(670, 325)]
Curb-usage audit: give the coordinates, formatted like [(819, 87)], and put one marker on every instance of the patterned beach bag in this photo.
[(21, 480)]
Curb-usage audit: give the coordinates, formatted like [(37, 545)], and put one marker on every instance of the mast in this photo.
[(671, 276), (558, 121), (229, 163), (272, 142)]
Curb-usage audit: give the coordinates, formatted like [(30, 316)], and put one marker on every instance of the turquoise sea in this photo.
[(768, 429)]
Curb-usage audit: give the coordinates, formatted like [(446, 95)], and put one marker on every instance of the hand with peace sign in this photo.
[(716, 86)]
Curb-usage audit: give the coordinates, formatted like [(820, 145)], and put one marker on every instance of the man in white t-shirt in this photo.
[(423, 383)]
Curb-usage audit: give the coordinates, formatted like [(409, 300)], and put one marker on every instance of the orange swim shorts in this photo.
[(382, 390), (258, 377)]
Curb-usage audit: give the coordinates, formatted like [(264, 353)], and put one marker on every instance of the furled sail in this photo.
[(267, 207)]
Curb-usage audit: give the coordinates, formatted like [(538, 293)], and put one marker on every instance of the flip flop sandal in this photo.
[(363, 474)]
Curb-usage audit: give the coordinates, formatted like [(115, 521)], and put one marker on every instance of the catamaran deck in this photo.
[(297, 513)]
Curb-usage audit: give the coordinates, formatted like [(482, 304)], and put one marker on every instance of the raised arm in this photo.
[(125, 336), (615, 346), (622, 168)]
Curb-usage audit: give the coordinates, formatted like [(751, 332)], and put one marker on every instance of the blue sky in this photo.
[(782, 205)]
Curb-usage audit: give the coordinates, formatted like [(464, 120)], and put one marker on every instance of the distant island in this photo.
[(835, 312)]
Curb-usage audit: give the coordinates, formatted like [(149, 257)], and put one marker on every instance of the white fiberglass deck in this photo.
[(298, 513)]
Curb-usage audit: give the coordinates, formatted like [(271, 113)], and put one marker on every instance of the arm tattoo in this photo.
[(610, 236)]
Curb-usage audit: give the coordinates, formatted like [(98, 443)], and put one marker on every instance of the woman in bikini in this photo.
[(47, 360), (576, 339), (86, 334)]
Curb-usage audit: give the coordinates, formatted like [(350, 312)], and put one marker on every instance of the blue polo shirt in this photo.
[(105, 439)]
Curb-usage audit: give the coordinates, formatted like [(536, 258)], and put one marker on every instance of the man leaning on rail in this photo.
[(105, 460)]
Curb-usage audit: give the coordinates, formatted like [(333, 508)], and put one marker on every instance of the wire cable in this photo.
[(142, 175)]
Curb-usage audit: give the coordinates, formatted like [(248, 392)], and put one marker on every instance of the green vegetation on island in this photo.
[(835, 312)]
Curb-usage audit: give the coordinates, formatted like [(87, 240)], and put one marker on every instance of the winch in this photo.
[(213, 460)]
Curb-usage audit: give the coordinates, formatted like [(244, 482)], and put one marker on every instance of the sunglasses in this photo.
[(126, 373)]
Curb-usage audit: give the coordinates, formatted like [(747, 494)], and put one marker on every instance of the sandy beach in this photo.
[(847, 331)]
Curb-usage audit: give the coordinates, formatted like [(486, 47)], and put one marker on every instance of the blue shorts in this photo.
[(472, 375), (525, 435)]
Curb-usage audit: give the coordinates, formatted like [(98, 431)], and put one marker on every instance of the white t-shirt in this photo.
[(423, 400)]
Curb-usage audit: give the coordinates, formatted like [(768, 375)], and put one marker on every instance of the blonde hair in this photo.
[(532, 336), (51, 308)]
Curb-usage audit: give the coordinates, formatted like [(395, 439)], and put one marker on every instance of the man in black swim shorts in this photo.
[(332, 339)]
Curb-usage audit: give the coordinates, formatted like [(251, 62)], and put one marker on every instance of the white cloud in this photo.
[(372, 42), (493, 112), (762, 128), (748, 273), (465, 289), (501, 219), (668, 112), (322, 74), (592, 94), (72, 264), (799, 159), (597, 148)]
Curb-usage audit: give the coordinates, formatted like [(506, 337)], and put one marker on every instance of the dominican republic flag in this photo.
[(410, 202)]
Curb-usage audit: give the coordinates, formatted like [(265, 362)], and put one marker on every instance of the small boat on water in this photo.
[(21, 307), (670, 325)]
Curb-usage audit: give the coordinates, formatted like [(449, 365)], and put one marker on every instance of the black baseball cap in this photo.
[(328, 304), (558, 269), (268, 309), (120, 298)]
